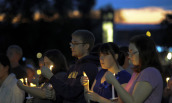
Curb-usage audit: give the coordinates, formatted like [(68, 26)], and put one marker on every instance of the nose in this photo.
[(101, 58)]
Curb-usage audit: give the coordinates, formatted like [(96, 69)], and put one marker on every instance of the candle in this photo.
[(113, 94), (87, 88), (26, 81), (38, 73), (51, 67), (167, 79)]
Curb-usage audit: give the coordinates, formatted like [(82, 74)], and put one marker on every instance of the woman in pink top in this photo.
[(146, 84)]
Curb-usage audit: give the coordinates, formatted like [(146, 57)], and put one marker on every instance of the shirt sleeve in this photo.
[(150, 75), (67, 91), (18, 95)]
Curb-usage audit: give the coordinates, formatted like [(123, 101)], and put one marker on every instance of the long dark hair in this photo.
[(148, 55), (111, 48), (59, 60)]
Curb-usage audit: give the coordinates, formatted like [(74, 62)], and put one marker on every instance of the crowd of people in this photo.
[(102, 73)]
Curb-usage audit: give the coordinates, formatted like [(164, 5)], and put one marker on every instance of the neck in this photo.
[(2, 79), (83, 55), (14, 64), (114, 69)]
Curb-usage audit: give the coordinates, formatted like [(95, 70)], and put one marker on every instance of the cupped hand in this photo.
[(84, 80)]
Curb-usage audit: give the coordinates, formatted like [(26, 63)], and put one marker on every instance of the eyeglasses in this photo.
[(133, 53), (74, 44)]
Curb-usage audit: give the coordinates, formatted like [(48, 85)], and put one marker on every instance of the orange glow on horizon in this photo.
[(150, 15)]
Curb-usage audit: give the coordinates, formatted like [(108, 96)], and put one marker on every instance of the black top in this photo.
[(71, 89), (19, 71)]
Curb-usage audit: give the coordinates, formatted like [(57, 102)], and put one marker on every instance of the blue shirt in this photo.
[(105, 89)]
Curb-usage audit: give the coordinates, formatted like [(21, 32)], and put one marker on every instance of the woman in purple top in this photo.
[(146, 84)]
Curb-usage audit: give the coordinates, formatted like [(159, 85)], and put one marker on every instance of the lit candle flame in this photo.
[(167, 79), (22, 80), (51, 67), (84, 74), (38, 71), (32, 85)]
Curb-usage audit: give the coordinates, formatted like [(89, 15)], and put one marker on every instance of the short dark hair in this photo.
[(148, 54), (17, 49), (86, 37), (59, 60), (5, 61)]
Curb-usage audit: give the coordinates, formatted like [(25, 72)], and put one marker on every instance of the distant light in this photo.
[(39, 55), (107, 31), (159, 48), (38, 71), (23, 59), (148, 34), (170, 49), (169, 56), (37, 16)]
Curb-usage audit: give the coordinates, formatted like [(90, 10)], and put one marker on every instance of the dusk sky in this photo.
[(121, 4)]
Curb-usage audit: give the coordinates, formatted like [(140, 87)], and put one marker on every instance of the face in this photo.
[(77, 47), (12, 55), (3, 71), (133, 54), (47, 62), (106, 61)]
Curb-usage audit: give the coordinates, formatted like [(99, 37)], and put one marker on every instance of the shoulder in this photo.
[(150, 71), (150, 75)]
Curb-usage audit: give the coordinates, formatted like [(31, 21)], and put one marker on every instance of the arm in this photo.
[(36, 92), (139, 94), (19, 95)]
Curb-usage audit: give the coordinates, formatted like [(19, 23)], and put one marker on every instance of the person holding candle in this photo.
[(146, 84), (9, 91), (71, 89), (101, 90), (46, 93), (167, 93)]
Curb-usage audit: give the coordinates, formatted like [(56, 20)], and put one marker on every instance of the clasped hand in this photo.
[(46, 72)]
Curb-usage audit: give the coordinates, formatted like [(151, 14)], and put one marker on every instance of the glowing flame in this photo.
[(84, 74), (51, 67), (167, 79), (32, 85)]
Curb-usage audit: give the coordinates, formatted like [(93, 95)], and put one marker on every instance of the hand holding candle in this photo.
[(46, 72), (167, 79), (86, 85)]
